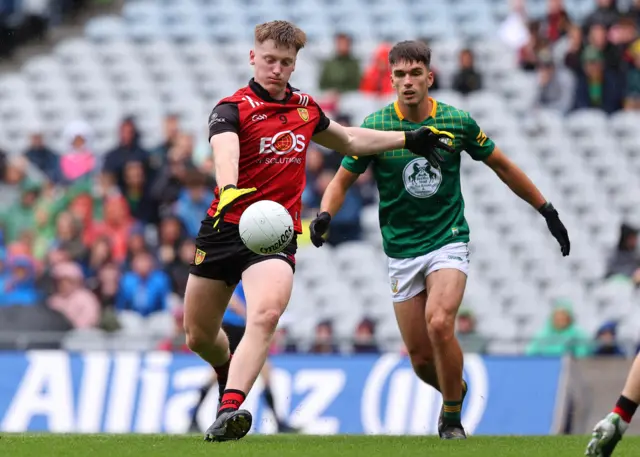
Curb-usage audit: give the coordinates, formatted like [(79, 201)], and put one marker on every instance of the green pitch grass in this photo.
[(41, 445)]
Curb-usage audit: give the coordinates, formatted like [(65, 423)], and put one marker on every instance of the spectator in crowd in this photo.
[(606, 13), (68, 237), (573, 55), (598, 86), (610, 54), (561, 335), (364, 341), (281, 342), (556, 87), (177, 342), (178, 270), (632, 95), (106, 290), (470, 339), (128, 150), (41, 156), (194, 201), (171, 234), (323, 343), (72, 299), (137, 192), (606, 340), (116, 226), (79, 161), (557, 22), (634, 11), (158, 156), (467, 79), (625, 260), (145, 288), (342, 72), (20, 284), (136, 244), (173, 175), (98, 255), (19, 217), (377, 76), (528, 55)]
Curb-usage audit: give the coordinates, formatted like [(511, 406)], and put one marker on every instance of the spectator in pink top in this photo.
[(79, 161), (72, 299)]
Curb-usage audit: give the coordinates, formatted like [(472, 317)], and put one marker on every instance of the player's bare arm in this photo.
[(524, 188), (226, 154), (359, 141), (515, 178), (332, 201), (336, 191), (356, 141)]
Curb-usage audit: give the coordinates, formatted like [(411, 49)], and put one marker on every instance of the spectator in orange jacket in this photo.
[(377, 76)]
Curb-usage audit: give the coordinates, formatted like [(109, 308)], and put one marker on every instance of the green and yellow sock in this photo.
[(452, 410)]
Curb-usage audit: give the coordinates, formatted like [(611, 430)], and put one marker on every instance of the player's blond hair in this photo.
[(284, 33)]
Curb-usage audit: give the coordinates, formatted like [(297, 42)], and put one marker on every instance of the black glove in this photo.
[(426, 141), (228, 196), (556, 227), (319, 227)]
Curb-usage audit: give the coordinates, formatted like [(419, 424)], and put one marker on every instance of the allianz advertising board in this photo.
[(155, 392)]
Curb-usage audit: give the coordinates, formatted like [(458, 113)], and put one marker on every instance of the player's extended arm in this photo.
[(524, 188), (226, 157), (331, 203), (359, 141)]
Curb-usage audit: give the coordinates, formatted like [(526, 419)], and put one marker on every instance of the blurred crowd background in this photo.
[(96, 231)]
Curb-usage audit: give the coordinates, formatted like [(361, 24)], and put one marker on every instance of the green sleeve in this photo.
[(477, 144), (359, 164)]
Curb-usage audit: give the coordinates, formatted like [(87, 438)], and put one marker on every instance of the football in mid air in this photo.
[(266, 227)]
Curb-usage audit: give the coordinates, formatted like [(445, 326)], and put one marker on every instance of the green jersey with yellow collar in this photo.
[(421, 207)]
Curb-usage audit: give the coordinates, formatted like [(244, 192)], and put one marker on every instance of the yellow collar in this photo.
[(434, 108)]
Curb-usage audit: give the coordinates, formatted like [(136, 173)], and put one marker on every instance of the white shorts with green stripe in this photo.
[(407, 277)]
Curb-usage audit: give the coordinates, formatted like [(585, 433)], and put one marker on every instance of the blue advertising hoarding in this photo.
[(365, 394)]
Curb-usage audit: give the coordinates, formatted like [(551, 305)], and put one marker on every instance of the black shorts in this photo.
[(223, 256), (235, 334)]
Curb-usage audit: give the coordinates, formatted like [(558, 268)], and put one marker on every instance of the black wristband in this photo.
[(547, 209), (229, 186), (409, 139)]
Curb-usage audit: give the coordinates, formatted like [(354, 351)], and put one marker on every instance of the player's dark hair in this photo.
[(410, 51), (284, 33)]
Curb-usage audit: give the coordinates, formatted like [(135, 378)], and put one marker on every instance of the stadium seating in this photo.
[(167, 56)]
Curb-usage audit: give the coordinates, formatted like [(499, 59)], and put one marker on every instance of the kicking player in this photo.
[(259, 137), (233, 324), (609, 431), (425, 233)]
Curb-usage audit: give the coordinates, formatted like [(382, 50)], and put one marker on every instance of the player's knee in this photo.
[(198, 340), (266, 319), (420, 359), (441, 326)]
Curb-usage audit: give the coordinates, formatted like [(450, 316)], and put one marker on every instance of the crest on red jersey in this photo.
[(304, 114)]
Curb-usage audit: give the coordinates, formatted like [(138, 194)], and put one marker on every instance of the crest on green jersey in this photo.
[(421, 179)]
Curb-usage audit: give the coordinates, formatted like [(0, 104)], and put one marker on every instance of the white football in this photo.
[(266, 227)]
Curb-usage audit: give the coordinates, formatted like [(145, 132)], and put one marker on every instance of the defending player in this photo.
[(259, 137), (609, 431), (424, 230), (233, 324)]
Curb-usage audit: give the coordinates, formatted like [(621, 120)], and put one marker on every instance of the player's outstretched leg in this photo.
[(445, 289), (204, 304), (609, 431), (267, 288)]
